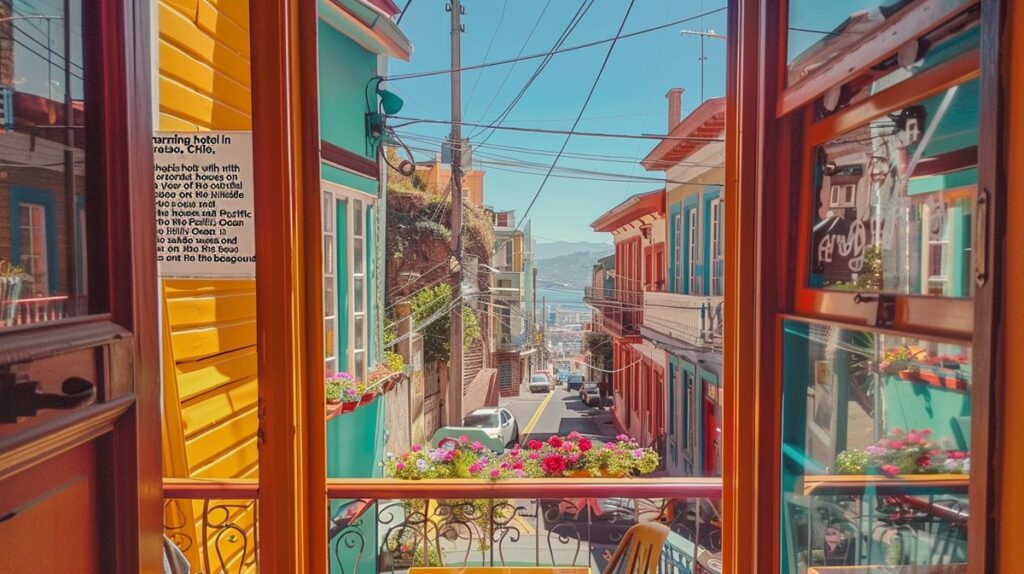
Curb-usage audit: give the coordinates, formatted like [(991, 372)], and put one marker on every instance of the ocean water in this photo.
[(564, 298)]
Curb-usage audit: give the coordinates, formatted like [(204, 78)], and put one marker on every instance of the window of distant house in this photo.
[(678, 240), (691, 250), (717, 262), (843, 195), (358, 289), (32, 227)]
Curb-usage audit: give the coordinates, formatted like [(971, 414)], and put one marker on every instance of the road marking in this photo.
[(536, 418)]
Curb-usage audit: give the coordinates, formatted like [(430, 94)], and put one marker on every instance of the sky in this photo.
[(630, 96)]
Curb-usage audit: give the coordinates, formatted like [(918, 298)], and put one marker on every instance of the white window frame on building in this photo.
[(355, 244), (716, 253), (33, 258), (842, 195), (692, 249), (679, 251)]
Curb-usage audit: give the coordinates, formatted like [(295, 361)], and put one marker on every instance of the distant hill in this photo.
[(572, 270), (561, 248)]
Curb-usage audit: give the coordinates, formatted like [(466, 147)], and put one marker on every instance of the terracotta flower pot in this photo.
[(910, 374), (605, 473), (579, 473)]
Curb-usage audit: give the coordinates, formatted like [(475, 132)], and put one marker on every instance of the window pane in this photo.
[(329, 298), (357, 287), (42, 178), (357, 219), (873, 407), (821, 31), (359, 324), (357, 255), (909, 179), (360, 362)]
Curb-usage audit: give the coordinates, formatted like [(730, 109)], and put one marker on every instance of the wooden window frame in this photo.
[(760, 131)]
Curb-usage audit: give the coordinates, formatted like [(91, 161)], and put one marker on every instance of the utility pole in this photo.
[(455, 382)]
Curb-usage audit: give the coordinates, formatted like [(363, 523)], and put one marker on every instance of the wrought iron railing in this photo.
[(388, 526), (696, 320)]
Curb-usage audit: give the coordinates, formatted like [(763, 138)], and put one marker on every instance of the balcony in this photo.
[(621, 309), (694, 321), (390, 525)]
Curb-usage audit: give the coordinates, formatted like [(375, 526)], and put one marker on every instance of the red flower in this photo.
[(890, 470), (585, 444), (517, 465), (555, 441), (534, 445), (896, 444), (553, 464)]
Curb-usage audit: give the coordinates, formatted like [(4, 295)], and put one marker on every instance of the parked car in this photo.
[(496, 428), (574, 381), (540, 383), (590, 394)]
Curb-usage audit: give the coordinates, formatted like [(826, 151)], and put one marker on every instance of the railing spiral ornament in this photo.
[(220, 525)]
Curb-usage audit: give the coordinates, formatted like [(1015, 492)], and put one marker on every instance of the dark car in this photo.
[(574, 382), (590, 394)]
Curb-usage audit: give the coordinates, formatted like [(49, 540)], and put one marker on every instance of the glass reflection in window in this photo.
[(42, 163), (893, 200), (865, 417)]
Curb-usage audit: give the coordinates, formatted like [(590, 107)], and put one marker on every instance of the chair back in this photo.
[(640, 550)]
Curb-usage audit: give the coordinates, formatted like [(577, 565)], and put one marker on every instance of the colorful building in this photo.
[(637, 226), (685, 318)]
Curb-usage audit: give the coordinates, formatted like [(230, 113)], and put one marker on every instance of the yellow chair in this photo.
[(639, 551)]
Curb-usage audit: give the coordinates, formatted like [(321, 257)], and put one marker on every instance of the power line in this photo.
[(570, 27), (615, 38), (583, 109), (411, 121), (508, 72)]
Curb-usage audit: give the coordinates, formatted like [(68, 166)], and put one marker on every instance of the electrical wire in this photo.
[(615, 38), (508, 72), (412, 121), (570, 27)]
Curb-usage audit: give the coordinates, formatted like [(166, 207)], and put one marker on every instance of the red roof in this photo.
[(386, 5), (632, 209), (707, 121)]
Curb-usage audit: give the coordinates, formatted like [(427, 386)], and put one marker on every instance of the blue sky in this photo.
[(629, 98)]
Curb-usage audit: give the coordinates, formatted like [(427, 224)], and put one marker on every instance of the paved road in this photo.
[(562, 413)]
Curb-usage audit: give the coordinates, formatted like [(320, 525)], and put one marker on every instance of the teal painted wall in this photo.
[(355, 447), (345, 68), (919, 405), (348, 179)]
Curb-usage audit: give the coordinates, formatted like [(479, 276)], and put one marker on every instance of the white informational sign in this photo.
[(204, 204)]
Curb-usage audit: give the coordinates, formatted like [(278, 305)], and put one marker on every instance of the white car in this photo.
[(540, 383), (495, 427)]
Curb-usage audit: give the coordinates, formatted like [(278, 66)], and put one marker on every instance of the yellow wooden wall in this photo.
[(209, 338)]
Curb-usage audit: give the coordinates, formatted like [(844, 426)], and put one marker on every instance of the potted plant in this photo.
[(904, 361), (910, 452), (12, 279)]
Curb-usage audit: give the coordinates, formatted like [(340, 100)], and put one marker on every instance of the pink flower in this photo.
[(504, 465), (890, 470), (574, 435), (896, 444), (495, 473), (553, 464), (400, 466), (463, 439), (555, 441), (925, 432), (913, 437), (477, 446), (475, 468), (622, 437), (638, 453), (519, 472), (450, 456), (517, 465), (534, 455), (416, 448), (585, 445), (897, 431), (534, 445), (567, 446), (573, 458)]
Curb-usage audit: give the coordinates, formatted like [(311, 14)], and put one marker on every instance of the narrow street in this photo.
[(560, 412)]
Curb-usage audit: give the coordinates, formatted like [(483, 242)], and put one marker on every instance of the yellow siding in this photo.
[(209, 339)]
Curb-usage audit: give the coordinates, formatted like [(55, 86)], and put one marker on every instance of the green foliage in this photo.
[(393, 361), (870, 277), (470, 327), (852, 462), (599, 345)]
